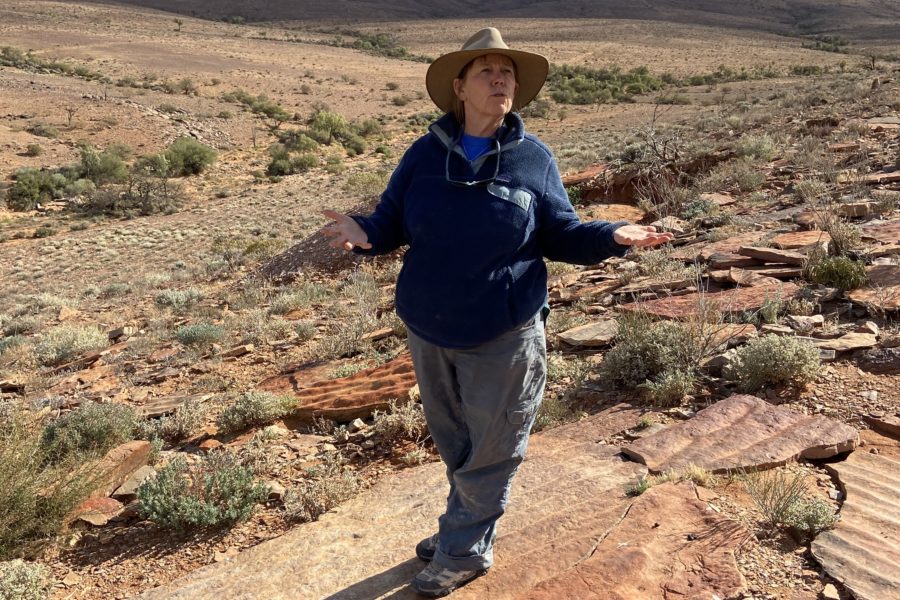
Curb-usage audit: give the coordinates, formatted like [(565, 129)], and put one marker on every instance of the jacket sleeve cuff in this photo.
[(615, 247)]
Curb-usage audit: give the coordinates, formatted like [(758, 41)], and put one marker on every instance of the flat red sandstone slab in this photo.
[(348, 398), (882, 292), (728, 301), (742, 432), (567, 495), (800, 239), (705, 250), (670, 545), (592, 335), (863, 550), (886, 233)]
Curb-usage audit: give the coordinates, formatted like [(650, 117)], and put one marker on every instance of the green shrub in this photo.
[(187, 156), (670, 387), (34, 150), (775, 493), (392, 85), (90, 430), (80, 187), (215, 492), (645, 350), (775, 360), (11, 342), (32, 186), (300, 296), (179, 300), (68, 341), (254, 408), (296, 141), (838, 271), (21, 324), (103, 167), (35, 495), (199, 334), (20, 580), (583, 85)]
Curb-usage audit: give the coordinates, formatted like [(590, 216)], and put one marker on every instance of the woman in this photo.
[(480, 204)]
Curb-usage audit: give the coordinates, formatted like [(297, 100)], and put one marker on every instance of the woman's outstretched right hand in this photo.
[(345, 232)]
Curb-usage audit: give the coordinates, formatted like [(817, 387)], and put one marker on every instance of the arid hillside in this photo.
[(171, 316)]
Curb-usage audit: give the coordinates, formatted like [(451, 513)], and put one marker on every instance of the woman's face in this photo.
[(488, 87)]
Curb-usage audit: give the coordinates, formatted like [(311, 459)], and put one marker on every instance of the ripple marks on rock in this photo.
[(347, 398), (743, 432), (669, 545), (863, 550)]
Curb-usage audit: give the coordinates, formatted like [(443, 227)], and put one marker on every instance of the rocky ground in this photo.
[(758, 179)]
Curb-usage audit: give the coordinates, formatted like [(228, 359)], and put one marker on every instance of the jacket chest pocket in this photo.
[(518, 196)]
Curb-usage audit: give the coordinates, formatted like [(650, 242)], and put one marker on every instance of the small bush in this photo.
[(179, 300), (187, 156), (761, 147), (810, 190), (301, 296), (90, 430), (810, 517), (646, 350), (401, 421), (254, 408), (32, 186), (20, 580), (218, 491), (199, 334), (775, 360), (187, 418), (34, 150), (43, 130), (775, 493), (838, 271), (66, 342), (392, 86), (670, 388), (102, 167), (328, 486)]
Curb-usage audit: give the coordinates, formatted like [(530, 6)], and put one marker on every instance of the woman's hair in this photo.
[(457, 107)]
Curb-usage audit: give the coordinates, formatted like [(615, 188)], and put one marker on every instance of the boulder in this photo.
[(774, 255), (886, 233), (863, 550), (742, 432), (881, 361), (117, 466)]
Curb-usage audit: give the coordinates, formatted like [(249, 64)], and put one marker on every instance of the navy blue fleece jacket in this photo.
[(474, 268)]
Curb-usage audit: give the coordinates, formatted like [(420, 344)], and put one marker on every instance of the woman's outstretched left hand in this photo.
[(641, 236)]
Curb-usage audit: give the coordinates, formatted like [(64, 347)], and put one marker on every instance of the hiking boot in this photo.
[(437, 582), (425, 549)]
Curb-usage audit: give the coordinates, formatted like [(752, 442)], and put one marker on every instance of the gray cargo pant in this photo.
[(480, 404)]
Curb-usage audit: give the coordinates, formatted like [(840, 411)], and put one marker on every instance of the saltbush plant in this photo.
[(187, 418), (254, 408), (20, 580), (65, 342), (199, 334), (401, 421), (215, 492), (179, 300), (775, 360), (90, 430), (809, 517)]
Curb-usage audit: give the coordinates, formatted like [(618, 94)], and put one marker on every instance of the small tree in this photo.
[(187, 156), (178, 24)]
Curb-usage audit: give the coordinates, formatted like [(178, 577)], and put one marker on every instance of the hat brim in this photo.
[(531, 72)]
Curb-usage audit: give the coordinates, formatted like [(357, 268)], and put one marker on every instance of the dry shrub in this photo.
[(254, 408), (401, 421), (66, 342), (327, 486)]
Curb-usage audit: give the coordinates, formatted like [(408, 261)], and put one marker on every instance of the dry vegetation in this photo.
[(116, 223)]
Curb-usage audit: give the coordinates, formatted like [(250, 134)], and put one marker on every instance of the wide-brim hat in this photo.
[(531, 69)]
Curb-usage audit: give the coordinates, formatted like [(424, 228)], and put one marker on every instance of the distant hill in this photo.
[(854, 19)]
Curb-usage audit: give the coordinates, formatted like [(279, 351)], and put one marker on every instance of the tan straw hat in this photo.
[(531, 69)]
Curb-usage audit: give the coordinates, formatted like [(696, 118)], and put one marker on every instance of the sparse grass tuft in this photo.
[(201, 335), (179, 300), (254, 408), (328, 485), (401, 421)]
